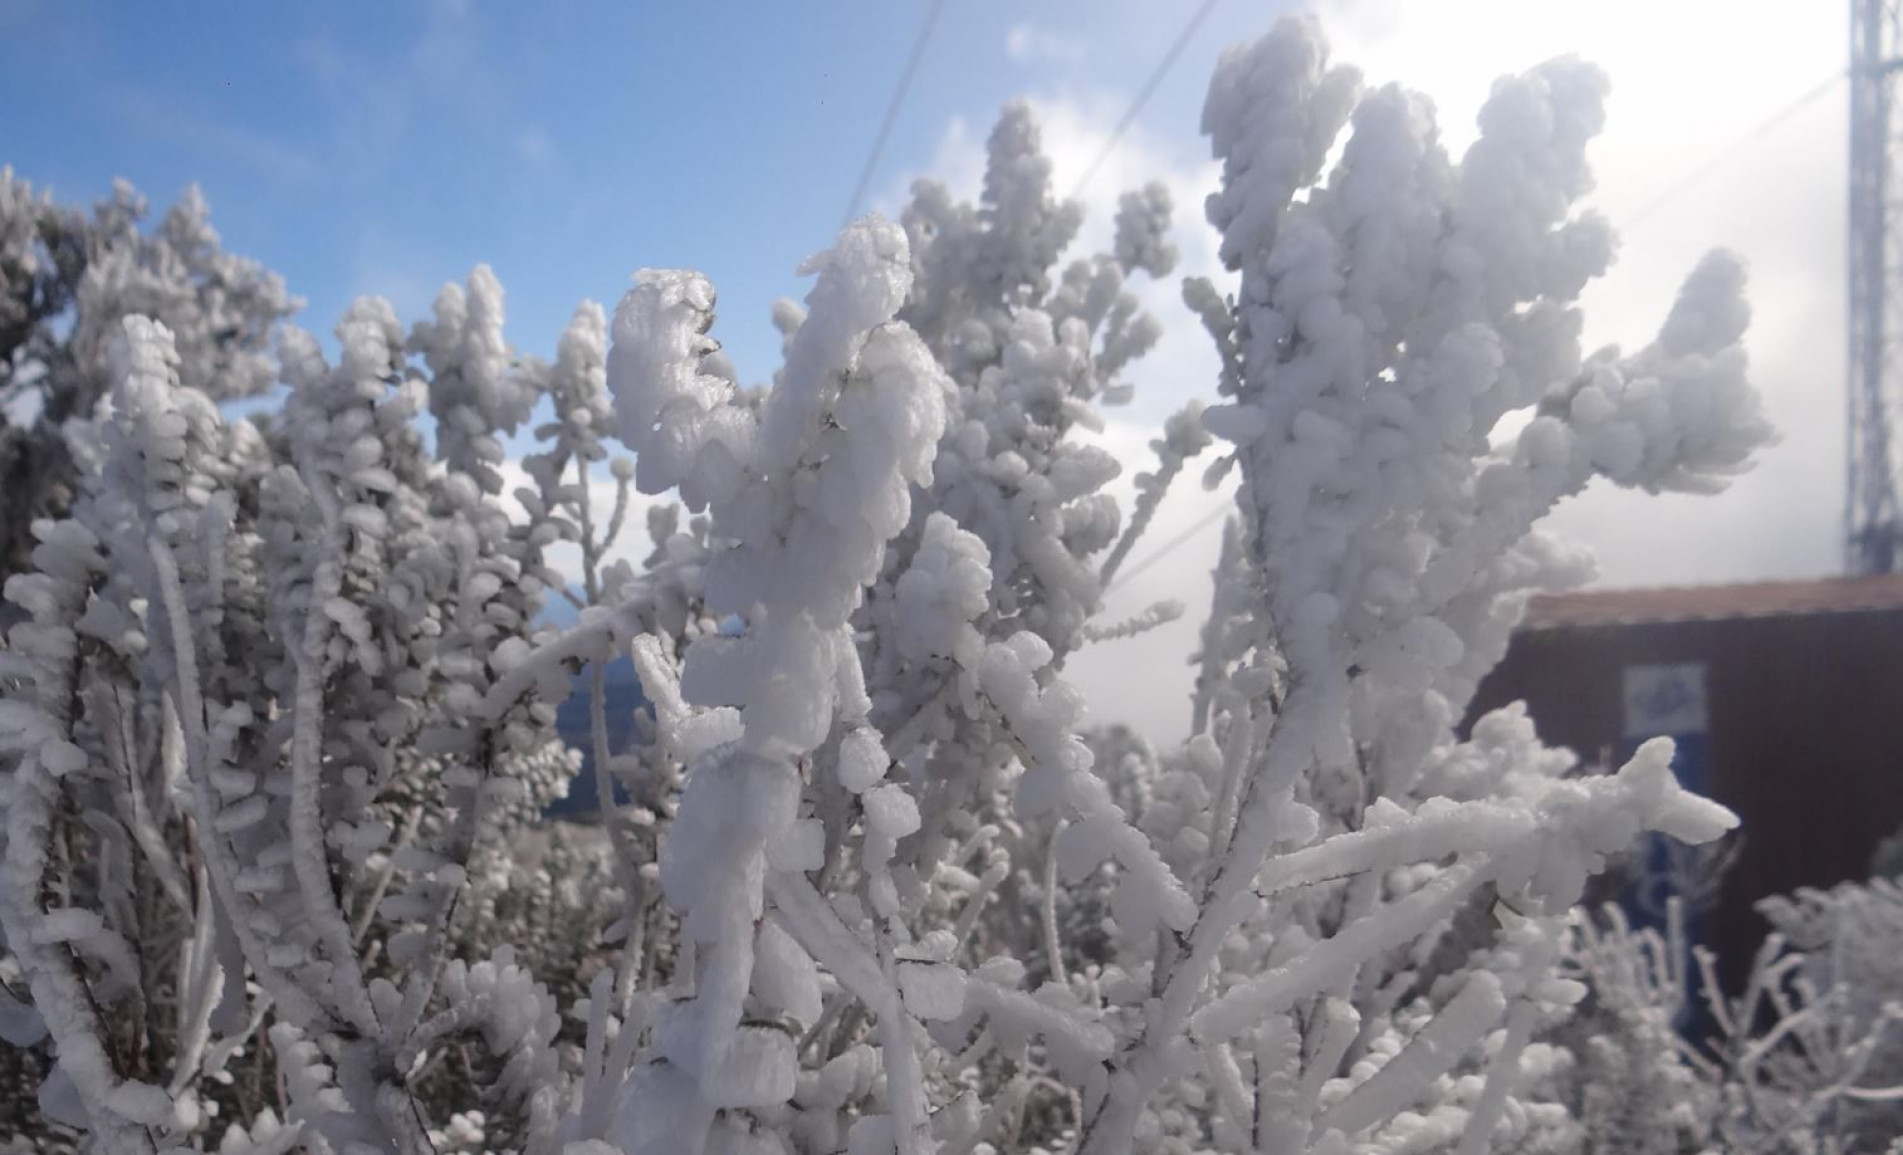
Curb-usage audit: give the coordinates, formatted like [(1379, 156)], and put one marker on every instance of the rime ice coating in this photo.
[(868, 879)]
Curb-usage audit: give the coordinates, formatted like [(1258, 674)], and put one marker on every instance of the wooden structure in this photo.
[(1787, 698)]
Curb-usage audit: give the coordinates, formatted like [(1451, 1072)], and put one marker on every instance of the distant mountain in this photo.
[(624, 697)]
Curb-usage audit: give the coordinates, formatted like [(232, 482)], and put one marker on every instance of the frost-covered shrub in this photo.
[(67, 280), (1811, 1054), (1639, 1080), (1807, 1058), (280, 717)]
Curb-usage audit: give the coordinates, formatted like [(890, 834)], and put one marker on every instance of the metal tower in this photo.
[(1873, 533)]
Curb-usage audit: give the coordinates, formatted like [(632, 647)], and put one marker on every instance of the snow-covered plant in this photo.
[(1806, 1060), (1388, 316), (67, 280), (253, 759), (1809, 1057), (1638, 1079), (280, 716)]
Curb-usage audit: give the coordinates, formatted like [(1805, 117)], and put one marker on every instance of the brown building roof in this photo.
[(1838, 595)]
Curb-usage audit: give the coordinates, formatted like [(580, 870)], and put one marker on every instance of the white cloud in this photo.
[(958, 162), (1689, 81), (179, 124), (1031, 45), (377, 109), (535, 146)]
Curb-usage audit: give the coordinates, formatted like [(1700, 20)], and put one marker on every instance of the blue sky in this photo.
[(366, 147)]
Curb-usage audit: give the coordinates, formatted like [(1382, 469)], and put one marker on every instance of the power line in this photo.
[(1143, 94), (1733, 149), (1163, 551), (892, 111)]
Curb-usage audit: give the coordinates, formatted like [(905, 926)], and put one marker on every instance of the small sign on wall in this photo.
[(1665, 701)]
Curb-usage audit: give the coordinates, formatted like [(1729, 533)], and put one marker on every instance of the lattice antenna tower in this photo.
[(1873, 533)]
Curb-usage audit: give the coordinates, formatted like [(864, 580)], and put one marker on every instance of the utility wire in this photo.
[(1162, 551), (892, 111), (1143, 94), (1733, 149)]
